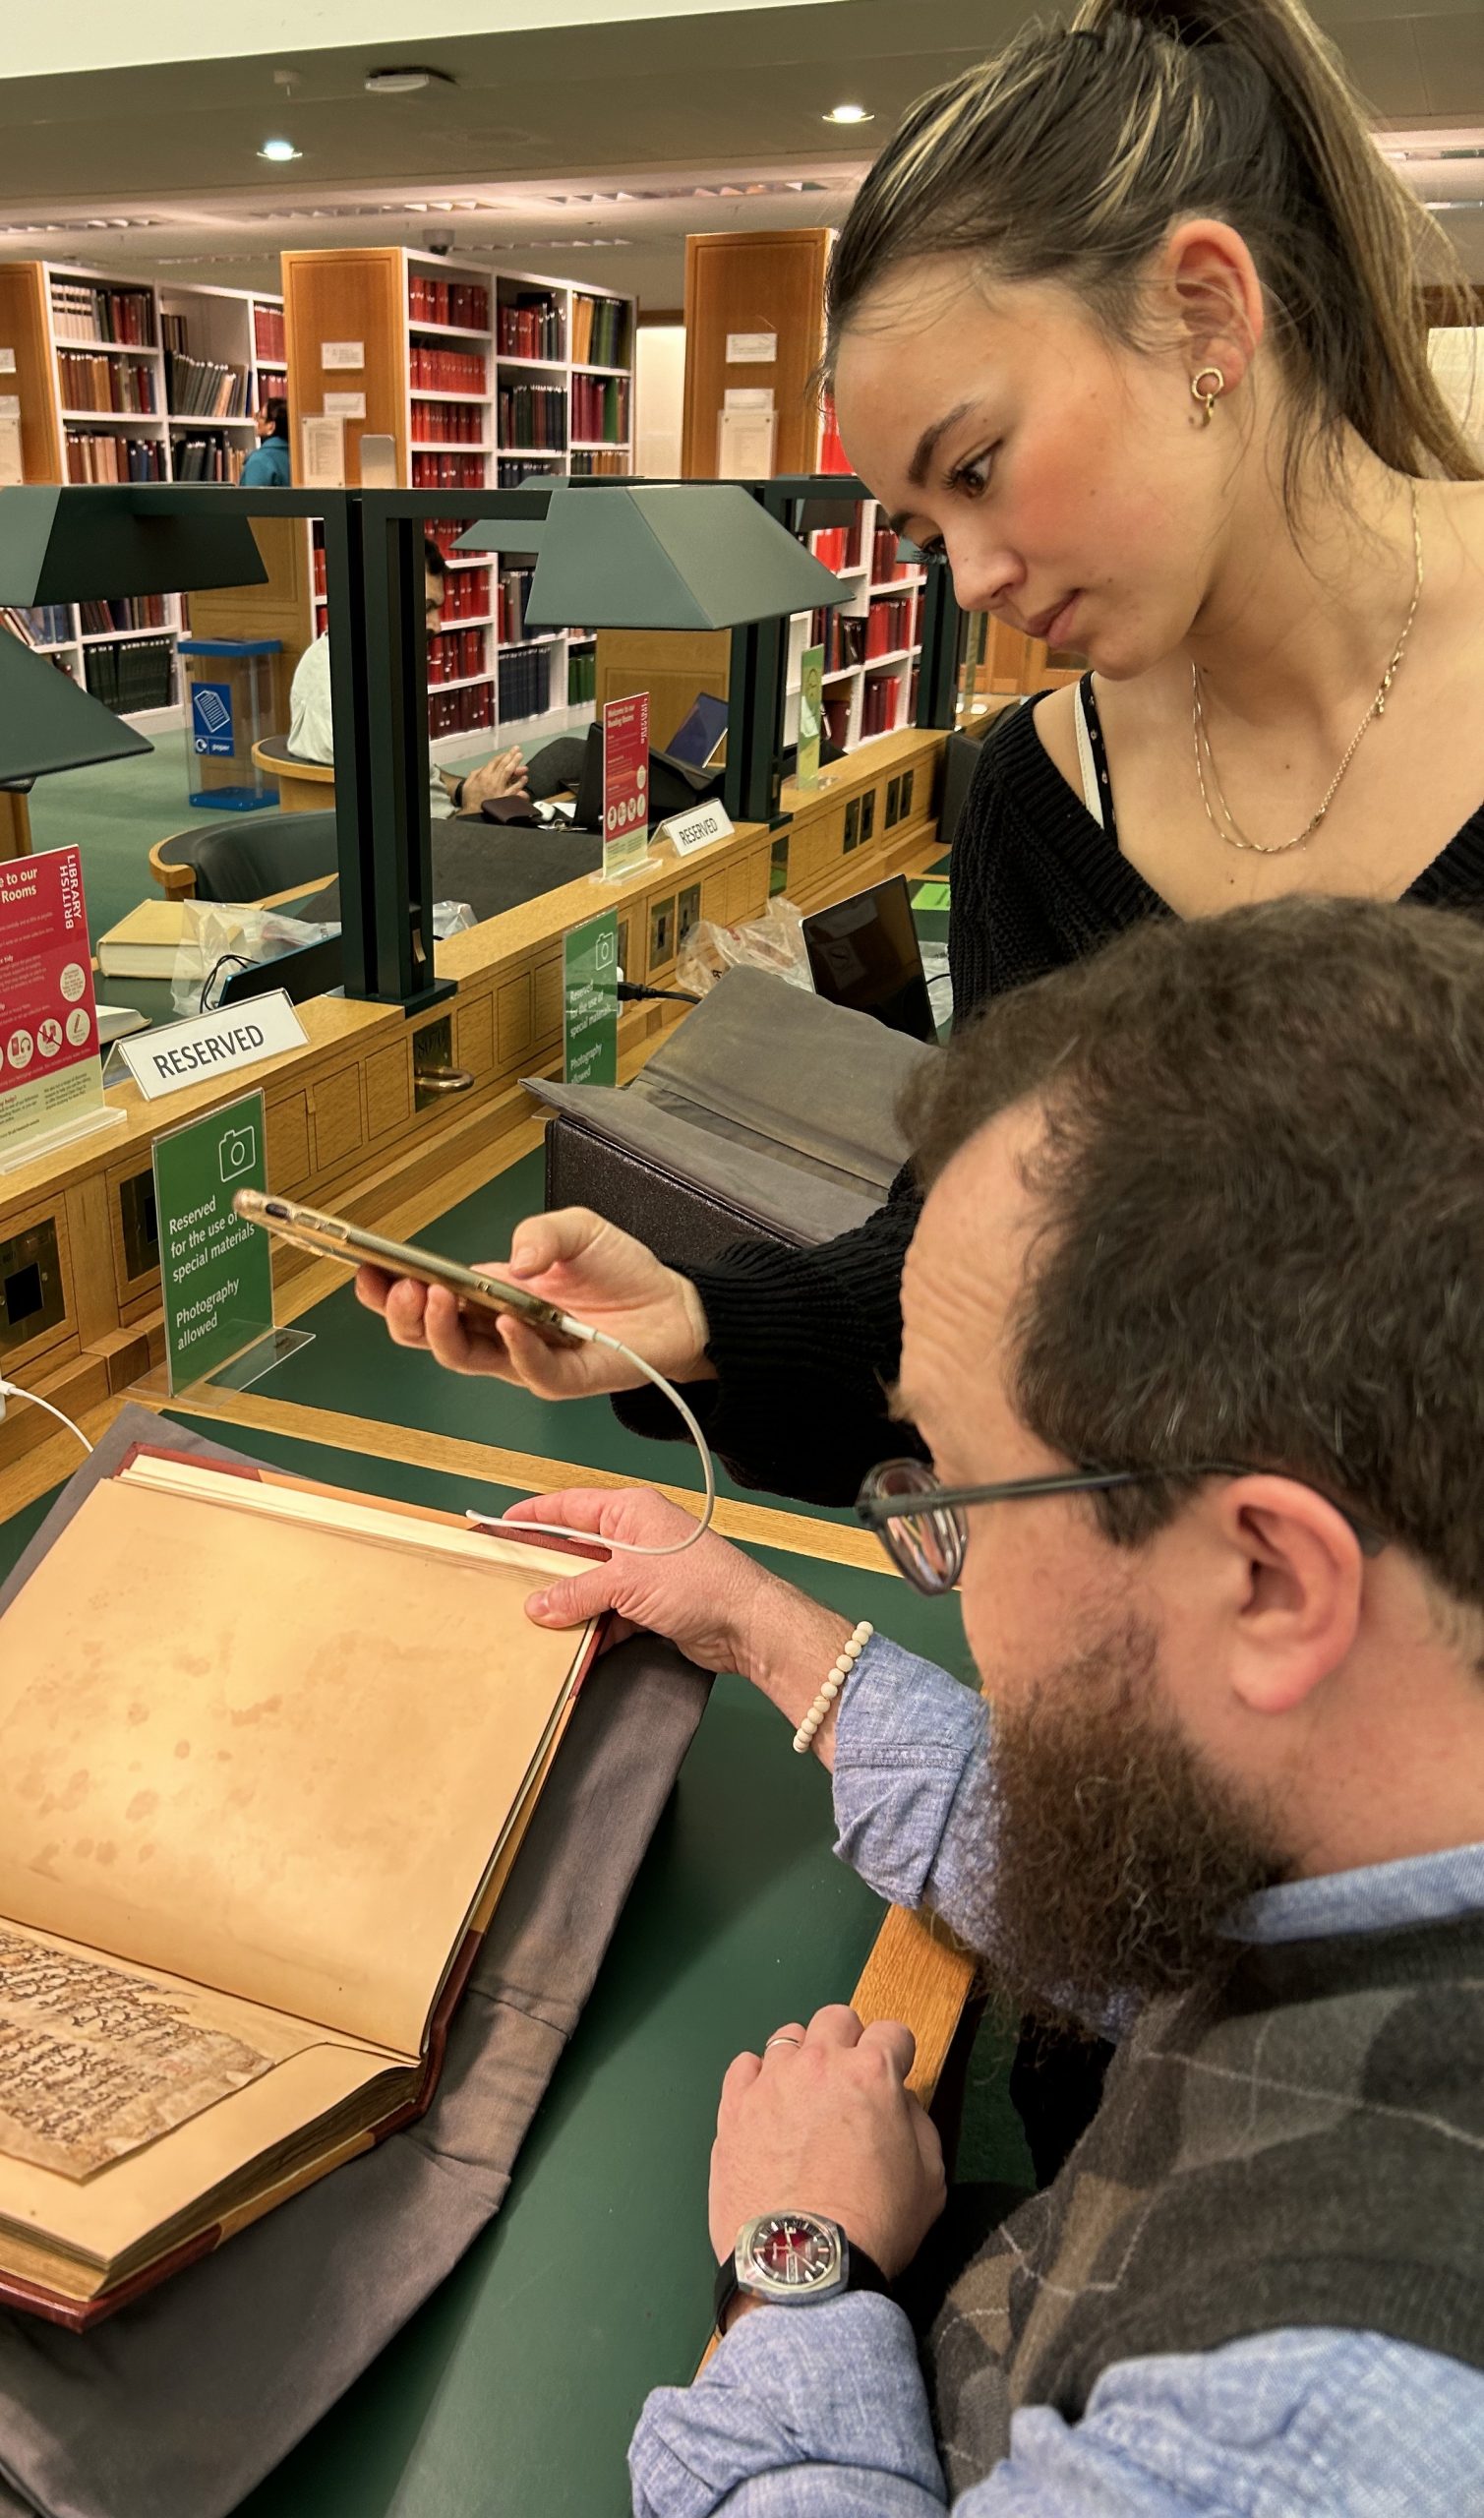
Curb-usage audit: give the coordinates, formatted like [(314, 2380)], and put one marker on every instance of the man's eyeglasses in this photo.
[(924, 1527)]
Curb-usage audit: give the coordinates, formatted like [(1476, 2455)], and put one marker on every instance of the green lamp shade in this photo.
[(46, 723), (77, 546), (686, 554)]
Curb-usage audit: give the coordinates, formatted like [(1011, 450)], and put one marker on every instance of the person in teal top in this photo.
[(267, 466)]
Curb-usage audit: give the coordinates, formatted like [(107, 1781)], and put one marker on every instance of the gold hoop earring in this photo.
[(1204, 388)]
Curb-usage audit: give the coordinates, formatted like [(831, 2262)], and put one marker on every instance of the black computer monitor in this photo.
[(864, 953), (310, 970)]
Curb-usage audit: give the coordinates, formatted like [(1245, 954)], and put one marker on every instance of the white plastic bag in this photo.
[(773, 942), (232, 934)]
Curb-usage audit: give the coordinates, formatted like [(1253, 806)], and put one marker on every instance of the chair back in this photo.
[(240, 859)]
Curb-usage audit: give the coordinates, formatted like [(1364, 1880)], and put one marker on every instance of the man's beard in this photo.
[(1118, 1854)]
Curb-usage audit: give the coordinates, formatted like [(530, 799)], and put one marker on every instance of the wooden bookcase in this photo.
[(55, 317), (772, 285), (518, 393), (768, 284)]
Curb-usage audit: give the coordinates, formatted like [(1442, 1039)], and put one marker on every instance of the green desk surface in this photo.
[(515, 2389), (352, 1366)]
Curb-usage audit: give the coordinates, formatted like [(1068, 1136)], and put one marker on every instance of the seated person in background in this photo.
[(311, 732), (1191, 1323), (267, 466)]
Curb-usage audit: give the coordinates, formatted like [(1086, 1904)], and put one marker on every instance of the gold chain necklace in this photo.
[(1228, 828)]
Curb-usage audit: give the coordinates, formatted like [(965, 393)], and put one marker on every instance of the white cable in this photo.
[(13, 1389), (622, 1546)]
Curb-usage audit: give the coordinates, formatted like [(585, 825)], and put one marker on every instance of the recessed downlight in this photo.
[(404, 80), (849, 114), (279, 152)]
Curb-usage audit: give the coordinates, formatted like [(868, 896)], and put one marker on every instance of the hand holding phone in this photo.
[(585, 1266)]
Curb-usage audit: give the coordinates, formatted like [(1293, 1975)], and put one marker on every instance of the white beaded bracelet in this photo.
[(804, 1737)]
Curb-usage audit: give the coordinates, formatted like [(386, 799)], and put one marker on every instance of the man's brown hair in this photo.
[(1262, 1183)]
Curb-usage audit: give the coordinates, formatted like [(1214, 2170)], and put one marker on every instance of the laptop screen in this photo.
[(864, 953), (699, 737)]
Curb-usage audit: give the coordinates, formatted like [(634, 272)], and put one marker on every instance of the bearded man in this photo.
[(1192, 1332)]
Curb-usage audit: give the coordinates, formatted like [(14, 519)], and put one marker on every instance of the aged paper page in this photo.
[(273, 1760), (120, 2211), (96, 2060)]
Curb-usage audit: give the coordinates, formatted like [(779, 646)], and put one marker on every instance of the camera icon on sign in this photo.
[(237, 1151), (606, 952)]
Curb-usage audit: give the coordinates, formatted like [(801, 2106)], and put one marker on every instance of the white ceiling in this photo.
[(153, 168)]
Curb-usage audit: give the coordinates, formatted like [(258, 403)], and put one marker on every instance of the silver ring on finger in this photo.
[(782, 2038)]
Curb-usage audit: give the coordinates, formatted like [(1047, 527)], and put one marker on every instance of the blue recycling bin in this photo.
[(228, 691)]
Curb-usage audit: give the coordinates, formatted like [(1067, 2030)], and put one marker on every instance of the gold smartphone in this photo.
[(330, 1238)]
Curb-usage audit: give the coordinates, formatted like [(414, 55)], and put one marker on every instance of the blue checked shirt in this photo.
[(822, 2413)]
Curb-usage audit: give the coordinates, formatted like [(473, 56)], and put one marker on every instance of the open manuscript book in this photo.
[(269, 1754)]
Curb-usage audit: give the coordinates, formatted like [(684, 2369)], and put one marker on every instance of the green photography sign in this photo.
[(590, 1001), (215, 1271)]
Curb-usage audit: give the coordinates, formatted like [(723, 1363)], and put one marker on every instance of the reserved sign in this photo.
[(210, 1045), (698, 827)]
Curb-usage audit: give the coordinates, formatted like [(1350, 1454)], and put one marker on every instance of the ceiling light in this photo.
[(403, 82), (849, 114), (279, 152)]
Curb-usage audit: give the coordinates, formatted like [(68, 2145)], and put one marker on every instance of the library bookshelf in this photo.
[(119, 379), (873, 643), (483, 379)]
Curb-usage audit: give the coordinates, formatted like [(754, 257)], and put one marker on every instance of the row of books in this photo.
[(517, 472), (884, 562), (581, 677), (439, 371), (889, 626), (599, 332), (460, 712), (454, 655), (512, 593), (40, 625), (590, 463), (842, 636), (204, 388), (133, 677), (600, 408), (525, 682), (448, 301), (880, 707), (466, 591), (104, 384), (113, 458), (270, 340), (208, 458), (530, 327), (532, 415), (450, 423), (124, 612), (81, 311), (448, 471), (838, 546)]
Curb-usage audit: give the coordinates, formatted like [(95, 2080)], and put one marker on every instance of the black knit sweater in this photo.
[(803, 1340)]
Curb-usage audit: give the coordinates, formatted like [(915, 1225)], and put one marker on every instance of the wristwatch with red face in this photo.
[(792, 2261)]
